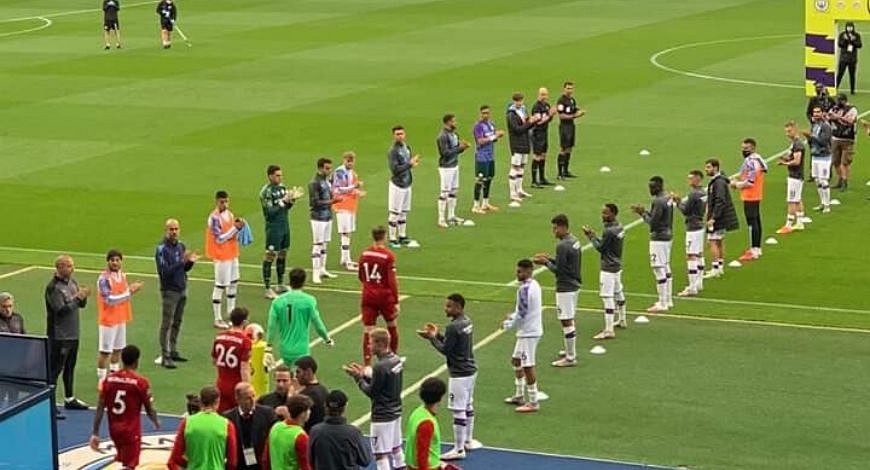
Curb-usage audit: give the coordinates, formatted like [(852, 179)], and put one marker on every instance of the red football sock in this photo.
[(394, 338), (367, 350)]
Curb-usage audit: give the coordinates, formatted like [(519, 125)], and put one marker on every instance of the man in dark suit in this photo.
[(252, 423)]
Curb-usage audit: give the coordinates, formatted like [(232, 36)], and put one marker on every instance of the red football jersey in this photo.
[(377, 272), (124, 393), (230, 350)]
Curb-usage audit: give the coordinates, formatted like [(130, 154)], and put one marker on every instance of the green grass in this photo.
[(98, 148)]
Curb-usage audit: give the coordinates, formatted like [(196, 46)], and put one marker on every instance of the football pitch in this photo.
[(766, 370)]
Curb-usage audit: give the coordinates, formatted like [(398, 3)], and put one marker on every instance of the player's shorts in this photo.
[(821, 168), (372, 309), (716, 235), (566, 304), (399, 199), (321, 231), (794, 189), (111, 25), (610, 284), (842, 152), (165, 25), (228, 397), (484, 169), (346, 221), (226, 272), (566, 135), (112, 338), (460, 395), (524, 350), (449, 179), (539, 143), (128, 451), (659, 254), (695, 242), (277, 237), (386, 437), (519, 159)]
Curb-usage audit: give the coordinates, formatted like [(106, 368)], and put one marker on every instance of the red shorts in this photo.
[(372, 308), (128, 452), (228, 397)]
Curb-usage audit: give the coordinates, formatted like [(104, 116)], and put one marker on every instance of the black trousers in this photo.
[(64, 353), (842, 66), (752, 210)]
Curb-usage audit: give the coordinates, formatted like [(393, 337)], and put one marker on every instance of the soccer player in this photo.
[(125, 393), (660, 219), (384, 387), (526, 319), (222, 247), (349, 188), (231, 355), (568, 112), (843, 117), (693, 207), (485, 136), (750, 182), (519, 123), (424, 434), (449, 149), (290, 317), (399, 199), (276, 201), (287, 446), (721, 216), (167, 12), (114, 310), (205, 440), (380, 291), (545, 114), (819, 137), (566, 267), (457, 345), (793, 160), (610, 277), (320, 201), (110, 22)]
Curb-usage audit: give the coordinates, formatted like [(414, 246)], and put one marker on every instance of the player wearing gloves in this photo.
[(289, 319), (526, 320)]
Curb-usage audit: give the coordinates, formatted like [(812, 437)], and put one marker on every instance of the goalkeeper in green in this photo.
[(289, 319)]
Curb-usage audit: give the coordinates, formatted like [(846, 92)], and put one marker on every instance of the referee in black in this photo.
[(540, 145), (167, 12), (568, 112), (110, 22)]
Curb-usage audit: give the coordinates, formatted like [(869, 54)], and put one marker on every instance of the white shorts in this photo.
[(524, 350), (610, 284), (821, 168), (566, 305), (460, 395), (346, 221), (386, 437), (321, 231), (113, 338), (716, 235), (659, 254), (519, 159), (449, 179), (695, 242), (226, 272), (795, 188), (399, 199)]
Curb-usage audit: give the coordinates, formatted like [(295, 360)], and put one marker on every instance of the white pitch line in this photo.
[(440, 370), (45, 24), (17, 272)]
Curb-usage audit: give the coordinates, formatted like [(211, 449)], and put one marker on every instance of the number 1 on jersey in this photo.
[(372, 274)]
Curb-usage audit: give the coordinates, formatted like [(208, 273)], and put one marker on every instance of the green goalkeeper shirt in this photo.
[(274, 207), (289, 319)]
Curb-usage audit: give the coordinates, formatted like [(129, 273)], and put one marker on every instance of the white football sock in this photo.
[(442, 206), (345, 249), (533, 393), (608, 321), (217, 295), (570, 334), (399, 458), (315, 259), (460, 423), (114, 366), (451, 207), (520, 384), (232, 289)]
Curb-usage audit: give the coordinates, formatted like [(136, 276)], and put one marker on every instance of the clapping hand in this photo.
[(353, 369), (541, 258), (638, 209), (135, 286), (83, 293), (588, 231), (415, 160), (191, 256)]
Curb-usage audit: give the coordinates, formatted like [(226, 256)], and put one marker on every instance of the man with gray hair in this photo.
[(10, 320), (173, 262), (63, 300)]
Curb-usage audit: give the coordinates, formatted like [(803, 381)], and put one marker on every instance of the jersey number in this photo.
[(226, 357), (119, 406), (371, 272)]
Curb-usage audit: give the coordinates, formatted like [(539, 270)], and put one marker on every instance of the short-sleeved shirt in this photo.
[(541, 108), (796, 171), (125, 393), (566, 105), (230, 350), (377, 273), (484, 152)]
